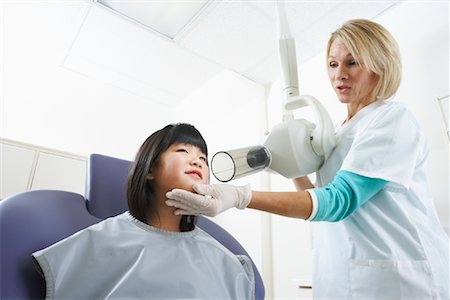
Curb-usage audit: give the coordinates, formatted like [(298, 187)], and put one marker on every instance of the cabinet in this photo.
[(25, 167), (292, 251)]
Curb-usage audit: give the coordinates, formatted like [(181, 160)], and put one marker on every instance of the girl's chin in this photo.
[(187, 187)]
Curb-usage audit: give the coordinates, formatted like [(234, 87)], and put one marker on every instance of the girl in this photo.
[(148, 252)]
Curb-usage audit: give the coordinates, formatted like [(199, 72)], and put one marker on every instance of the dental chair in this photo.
[(33, 220)]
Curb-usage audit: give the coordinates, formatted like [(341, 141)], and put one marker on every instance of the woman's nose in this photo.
[(341, 73)]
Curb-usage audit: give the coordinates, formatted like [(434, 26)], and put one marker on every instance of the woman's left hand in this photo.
[(211, 200)]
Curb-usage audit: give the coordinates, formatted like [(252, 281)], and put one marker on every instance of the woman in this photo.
[(380, 237), (148, 252)]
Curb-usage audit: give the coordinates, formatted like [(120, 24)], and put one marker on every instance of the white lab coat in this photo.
[(393, 246)]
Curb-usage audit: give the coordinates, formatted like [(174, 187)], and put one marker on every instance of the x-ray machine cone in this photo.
[(293, 148)]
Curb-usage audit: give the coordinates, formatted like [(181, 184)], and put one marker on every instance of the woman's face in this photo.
[(352, 83), (180, 166)]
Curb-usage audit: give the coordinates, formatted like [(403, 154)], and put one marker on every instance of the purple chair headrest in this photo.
[(106, 185)]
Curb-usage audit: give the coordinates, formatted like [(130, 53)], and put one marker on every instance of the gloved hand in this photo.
[(210, 200)]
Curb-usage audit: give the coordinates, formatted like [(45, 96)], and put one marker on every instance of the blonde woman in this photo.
[(376, 232)]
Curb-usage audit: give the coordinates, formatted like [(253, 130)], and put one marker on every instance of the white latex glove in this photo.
[(211, 200)]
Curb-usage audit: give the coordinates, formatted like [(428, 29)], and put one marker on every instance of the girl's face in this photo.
[(352, 83), (180, 166)]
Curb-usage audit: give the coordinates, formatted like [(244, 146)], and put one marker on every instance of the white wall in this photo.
[(422, 31)]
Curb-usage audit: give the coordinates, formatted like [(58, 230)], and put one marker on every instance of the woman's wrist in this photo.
[(302, 183)]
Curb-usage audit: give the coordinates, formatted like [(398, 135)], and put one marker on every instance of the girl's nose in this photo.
[(196, 162)]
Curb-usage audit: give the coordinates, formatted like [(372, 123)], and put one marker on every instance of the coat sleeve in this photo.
[(388, 148)]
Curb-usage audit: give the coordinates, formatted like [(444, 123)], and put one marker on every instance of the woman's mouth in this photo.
[(343, 88)]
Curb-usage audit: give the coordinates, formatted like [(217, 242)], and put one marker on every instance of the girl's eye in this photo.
[(182, 150), (203, 158)]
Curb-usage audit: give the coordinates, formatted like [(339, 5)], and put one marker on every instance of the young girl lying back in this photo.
[(148, 252)]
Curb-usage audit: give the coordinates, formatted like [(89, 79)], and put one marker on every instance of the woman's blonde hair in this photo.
[(375, 49)]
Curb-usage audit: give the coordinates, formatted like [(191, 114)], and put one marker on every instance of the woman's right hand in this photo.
[(210, 200)]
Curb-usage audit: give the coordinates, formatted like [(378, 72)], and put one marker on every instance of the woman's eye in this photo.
[(333, 64), (353, 63)]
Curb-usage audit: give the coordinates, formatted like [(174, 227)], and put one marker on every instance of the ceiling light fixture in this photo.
[(168, 18)]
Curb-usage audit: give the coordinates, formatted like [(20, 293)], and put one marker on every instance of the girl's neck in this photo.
[(164, 217)]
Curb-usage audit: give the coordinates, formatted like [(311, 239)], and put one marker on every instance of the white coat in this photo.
[(393, 246)]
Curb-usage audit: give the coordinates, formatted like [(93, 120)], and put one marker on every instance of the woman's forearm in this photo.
[(289, 204)]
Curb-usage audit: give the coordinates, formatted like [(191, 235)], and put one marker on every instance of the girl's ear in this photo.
[(150, 176)]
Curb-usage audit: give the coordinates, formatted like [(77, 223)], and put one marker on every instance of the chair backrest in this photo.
[(29, 222), (33, 220), (106, 185)]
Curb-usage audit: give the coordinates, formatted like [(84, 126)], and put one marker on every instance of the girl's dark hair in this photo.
[(139, 191)]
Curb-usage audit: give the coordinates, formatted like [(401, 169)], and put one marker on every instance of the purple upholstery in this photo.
[(106, 185), (33, 220), (234, 246), (29, 222)]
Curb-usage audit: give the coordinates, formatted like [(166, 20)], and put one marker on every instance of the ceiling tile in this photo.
[(118, 52), (232, 34)]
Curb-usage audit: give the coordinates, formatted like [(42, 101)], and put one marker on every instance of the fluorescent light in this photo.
[(168, 17)]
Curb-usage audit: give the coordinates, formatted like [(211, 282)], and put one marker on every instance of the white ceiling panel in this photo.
[(165, 17), (118, 52), (243, 35), (230, 33), (319, 31), (300, 14)]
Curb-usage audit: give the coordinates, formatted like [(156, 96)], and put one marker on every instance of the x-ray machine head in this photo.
[(293, 148)]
